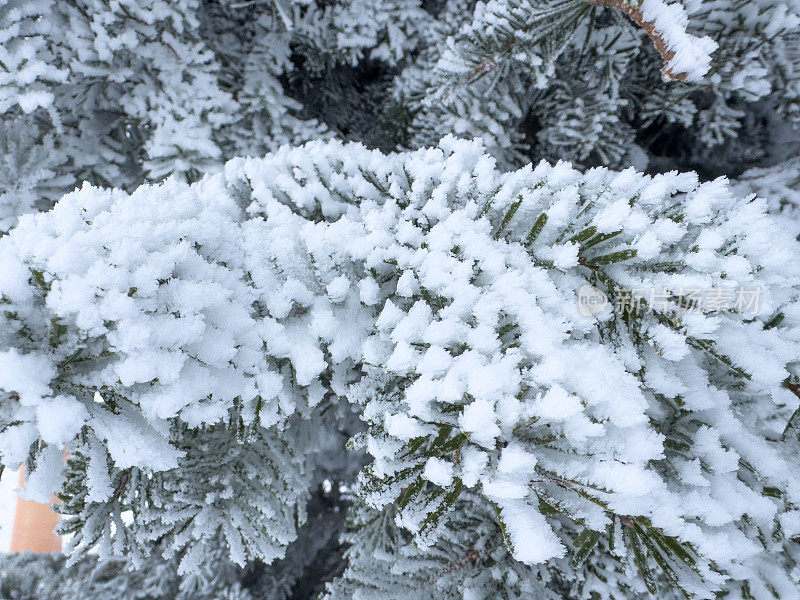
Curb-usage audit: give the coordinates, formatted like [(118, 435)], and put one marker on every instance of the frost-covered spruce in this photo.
[(579, 79), (440, 297), (118, 83), (242, 484), (118, 92), (29, 576), (133, 90), (471, 561), (780, 186), (30, 171)]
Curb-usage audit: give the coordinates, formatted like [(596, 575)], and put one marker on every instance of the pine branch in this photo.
[(668, 45)]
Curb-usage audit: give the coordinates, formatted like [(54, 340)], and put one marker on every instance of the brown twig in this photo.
[(583, 262), (792, 387), (649, 27)]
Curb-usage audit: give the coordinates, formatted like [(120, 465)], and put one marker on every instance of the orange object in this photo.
[(33, 526)]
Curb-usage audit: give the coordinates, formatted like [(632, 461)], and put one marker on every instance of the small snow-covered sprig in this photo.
[(687, 57)]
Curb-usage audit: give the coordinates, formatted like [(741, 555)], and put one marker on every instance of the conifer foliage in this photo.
[(438, 297), (444, 266)]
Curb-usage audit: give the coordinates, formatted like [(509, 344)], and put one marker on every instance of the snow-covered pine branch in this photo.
[(780, 186), (578, 81), (505, 30), (439, 297), (133, 90), (32, 576), (686, 57)]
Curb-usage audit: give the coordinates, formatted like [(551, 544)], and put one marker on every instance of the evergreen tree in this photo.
[(652, 437), (133, 90), (569, 380), (27, 576), (780, 185), (580, 80)]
